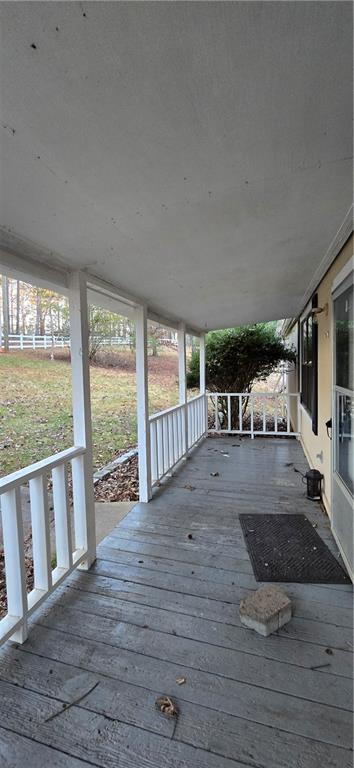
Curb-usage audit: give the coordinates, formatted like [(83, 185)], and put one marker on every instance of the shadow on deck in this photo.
[(158, 605)]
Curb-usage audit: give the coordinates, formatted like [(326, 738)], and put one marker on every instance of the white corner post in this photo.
[(202, 378), (144, 451), (82, 467), (182, 379)]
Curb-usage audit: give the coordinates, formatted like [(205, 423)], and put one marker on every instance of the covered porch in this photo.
[(160, 603), (190, 164)]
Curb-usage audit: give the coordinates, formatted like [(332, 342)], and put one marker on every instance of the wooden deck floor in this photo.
[(158, 605)]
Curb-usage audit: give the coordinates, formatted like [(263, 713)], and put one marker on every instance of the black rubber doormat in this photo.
[(287, 548)]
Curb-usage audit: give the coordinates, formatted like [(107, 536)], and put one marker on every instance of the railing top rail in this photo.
[(23, 475), (159, 414), (196, 397), (253, 394), (178, 407)]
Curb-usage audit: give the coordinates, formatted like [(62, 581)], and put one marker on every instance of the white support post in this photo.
[(202, 364), (144, 448), (182, 378), (83, 491), (202, 381)]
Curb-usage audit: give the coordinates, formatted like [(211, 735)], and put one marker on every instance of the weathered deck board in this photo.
[(158, 605), (215, 590), (204, 607), (298, 642), (134, 706)]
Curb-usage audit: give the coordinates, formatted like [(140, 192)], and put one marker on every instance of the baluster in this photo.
[(288, 413), (240, 412), (177, 448), (12, 528), (154, 459), (216, 414), (166, 465), (156, 451), (173, 438), (229, 413), (160, 447), (264, 415), (170, 440), (178, 424), (40, 533), (79, 498), (276, 415), (252, 416), (62, 516), (182, 433)]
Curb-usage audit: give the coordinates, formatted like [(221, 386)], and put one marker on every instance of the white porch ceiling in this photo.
[(196, 154)]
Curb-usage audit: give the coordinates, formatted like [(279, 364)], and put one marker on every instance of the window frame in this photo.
[(308, 364)]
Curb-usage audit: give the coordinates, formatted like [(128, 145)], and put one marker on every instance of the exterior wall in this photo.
[(318, 447)]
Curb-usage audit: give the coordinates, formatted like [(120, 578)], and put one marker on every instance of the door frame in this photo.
[(337, 282)]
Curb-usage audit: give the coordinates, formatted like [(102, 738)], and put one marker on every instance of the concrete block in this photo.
[(266, 610)]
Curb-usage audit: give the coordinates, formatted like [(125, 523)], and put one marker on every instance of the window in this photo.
[(306, 363), (309, 341)]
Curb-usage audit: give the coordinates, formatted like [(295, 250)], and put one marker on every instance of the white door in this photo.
[(343, 417)]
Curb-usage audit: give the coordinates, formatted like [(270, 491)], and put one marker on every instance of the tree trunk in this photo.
[(18, 297), (38, 313), (51, 330), (5, 311)]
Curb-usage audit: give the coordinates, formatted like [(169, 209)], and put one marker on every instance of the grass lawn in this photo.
[(36, 413)]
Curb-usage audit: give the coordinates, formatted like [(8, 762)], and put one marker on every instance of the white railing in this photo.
[(252, 413), (173, 432), (47, 575), (197, 424)]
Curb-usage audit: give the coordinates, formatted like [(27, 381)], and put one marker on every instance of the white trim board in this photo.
[(343, 274), (339, 240)]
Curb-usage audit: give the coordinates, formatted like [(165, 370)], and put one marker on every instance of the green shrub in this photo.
[(237, 357)]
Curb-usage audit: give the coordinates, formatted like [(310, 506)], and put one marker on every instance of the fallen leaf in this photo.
[(190, 487), (166, 706), (181, 680), (214, 474)]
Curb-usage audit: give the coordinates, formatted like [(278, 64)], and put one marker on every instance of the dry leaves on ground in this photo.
[(121, 485), (29, 581)]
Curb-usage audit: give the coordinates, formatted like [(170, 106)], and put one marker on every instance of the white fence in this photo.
[(31, 341), (251, 413), (173, 433), (20, 604)]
